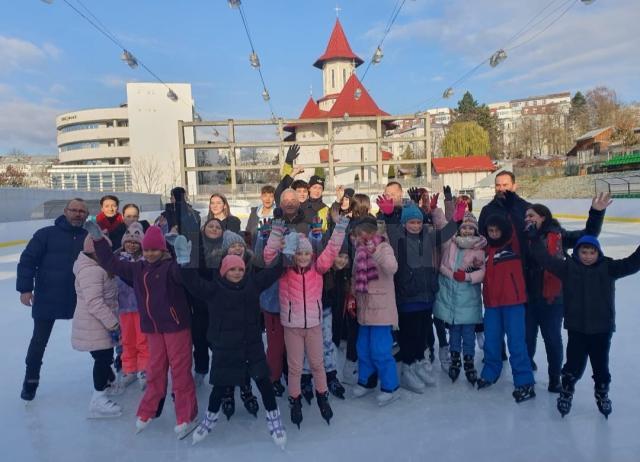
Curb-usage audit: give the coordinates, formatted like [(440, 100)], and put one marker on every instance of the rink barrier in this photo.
[(570, 216), (12, 243)]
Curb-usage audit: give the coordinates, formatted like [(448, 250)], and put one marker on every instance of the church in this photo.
[(343, 97)]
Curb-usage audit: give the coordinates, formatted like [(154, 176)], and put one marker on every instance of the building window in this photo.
[(94, 182), (123, 123), (333, 79), (82, 181), (80, 145), (344, 76), (74, 127)]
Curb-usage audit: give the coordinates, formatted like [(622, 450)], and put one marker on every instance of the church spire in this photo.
[(337, 48)]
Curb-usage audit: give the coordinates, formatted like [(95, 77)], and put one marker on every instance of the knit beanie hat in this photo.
[(133, 233), (588, 240), (229, 238), (349, 192), (304, 245), (230, 261), (470, 220), (153, 239), (315, 179), (410, 212), (89, 247)]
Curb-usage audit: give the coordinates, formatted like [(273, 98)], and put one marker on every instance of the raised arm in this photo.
[(593, 227), (385, 258), (274, 243), (111, 263), (329, 254), (626, 266)]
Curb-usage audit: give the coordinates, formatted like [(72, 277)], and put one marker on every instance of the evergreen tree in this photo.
[(319, 171), (392, 172), (469, 110)]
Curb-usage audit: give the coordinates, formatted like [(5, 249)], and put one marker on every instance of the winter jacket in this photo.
[(461, 302), (158, 287), (300, 290), (235, 331), (230, 223), (589, 291), (316, 208), (416, 280), (534, 273), (127, 302), (504, 279), (96, 307), (513, 210), (377, 307), (48, 259), (298, 223)]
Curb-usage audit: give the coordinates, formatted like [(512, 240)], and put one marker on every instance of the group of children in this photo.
[(402, 275)]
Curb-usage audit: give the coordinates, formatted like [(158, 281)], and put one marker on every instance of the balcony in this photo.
[(78, 155), (93, 134)]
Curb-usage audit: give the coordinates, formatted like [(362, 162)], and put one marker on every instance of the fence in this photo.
[(622, 187)]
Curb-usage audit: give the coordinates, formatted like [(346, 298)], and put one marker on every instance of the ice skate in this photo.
[(335, 387), (228, 403), (142, 380), (523, 393), (307, 387), (456, 364), (424, 370), (296, 410), (141, 424), (470, 369), (359, 391), (444, 355), (249, 400), (409, 379), (554, 385), (184, 429), (278, 388), (204, 428), (383, 398), (323, 404), (29, 388), (350, 373), (126, 379), (482, 383), (276, 428), (602, 399), (101, 407)]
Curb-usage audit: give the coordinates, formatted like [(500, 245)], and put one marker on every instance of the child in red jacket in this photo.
[(504, 295)]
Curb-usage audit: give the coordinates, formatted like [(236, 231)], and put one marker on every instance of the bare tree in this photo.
[(14, 177), (145, 174)]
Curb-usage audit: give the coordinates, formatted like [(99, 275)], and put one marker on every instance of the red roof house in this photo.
[(463, 164)]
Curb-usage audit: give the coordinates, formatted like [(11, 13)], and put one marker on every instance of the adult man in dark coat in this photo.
[(45, 281)]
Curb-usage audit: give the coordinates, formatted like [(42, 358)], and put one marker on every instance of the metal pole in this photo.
[(232, 156)]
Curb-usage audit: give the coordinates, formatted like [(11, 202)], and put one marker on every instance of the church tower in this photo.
[(338, 63)]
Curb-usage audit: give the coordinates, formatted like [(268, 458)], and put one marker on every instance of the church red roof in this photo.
[(312, 111), (347, 103), (338, 47), (463, 164)]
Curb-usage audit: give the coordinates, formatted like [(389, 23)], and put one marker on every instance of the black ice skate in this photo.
[(249, 400), (470, 369), (278, 388), (566, 394), (456, 364), (228, 403), (323, 404), (29, 388), (296, 410), (482, 383), (524, 393), (602, 399), (307, 387), (335, 387)]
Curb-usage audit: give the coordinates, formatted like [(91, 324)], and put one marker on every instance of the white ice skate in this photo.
[(127, 379), (141, 424), (350, 373), (359, 391), (102, 407), (424, 370), (385, 398), (445, 358), (276, 429), (410, 380), (208, 423), (142, 380), (185, 428)]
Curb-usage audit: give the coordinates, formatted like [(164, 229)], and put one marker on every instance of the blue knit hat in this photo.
[(588, 240), (410, 212)]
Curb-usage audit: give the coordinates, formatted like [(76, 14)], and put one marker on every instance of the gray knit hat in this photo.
[(229, 238)]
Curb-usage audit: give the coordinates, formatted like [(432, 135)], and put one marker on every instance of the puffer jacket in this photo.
[(461, 302), (127, 302), (378, 306), (503, 283), (300, 289), (97, 301)]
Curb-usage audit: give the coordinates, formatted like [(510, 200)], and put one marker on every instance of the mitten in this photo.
[(94, 230), (461, 207), (460, 275), (350, 305), (447, 193), (182, 248), (385, 205), (290, 244), (414, 194), (434, 201), (264, 228), (342, 225)]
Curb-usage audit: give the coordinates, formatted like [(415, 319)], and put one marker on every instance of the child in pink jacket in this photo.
[(95, 327), (300, 293)]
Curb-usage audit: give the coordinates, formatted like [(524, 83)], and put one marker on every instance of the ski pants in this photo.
[(595, 347), (199, 326), (275, 344), (375, 356), (135, 351), (413, 332)]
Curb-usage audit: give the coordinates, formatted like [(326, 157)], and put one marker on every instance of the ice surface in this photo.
[(449, 422)]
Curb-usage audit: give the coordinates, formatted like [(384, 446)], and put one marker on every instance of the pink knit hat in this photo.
[(88, 246), (230, 261), (153, 239), (304, 244)]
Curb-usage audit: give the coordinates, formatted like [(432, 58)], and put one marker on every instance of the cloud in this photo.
[(28, 126), (17, 54), (115, 81)]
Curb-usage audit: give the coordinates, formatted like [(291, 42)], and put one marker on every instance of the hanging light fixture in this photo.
[(497, 57), (586, 2), (357, 94), (448, 93), (215, 132), (172, 95), (265, 95), (234, 3), (48, 2), (254, 60), (128, 58), (345, 116), (197, 117), (377, 56)]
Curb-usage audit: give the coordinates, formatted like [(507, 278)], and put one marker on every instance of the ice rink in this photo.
[(449, 422)]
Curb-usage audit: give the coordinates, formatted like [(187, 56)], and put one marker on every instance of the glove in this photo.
[(114, 333), (342, 225), (385, 205), (290, 244), (414, 194), (170, 238), (316, 226), (531, 231), (447, 193), (461, 208), (292, 154), (277, 228), (350, 306), (264, 228), (434, 201), (460, 275), (94, 230), (182, 248)]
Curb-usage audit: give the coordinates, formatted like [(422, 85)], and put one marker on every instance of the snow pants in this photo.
[(275, 344), (300, 341), (375, 357), (135, 351)]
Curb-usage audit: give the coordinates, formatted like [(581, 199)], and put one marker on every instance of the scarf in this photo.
[(366, 269), (109, 223), (551, 284)]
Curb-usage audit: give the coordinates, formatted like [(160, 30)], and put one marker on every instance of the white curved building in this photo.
[(133, 147)]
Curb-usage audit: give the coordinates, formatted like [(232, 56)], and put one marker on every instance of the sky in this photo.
[(53, 61)]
